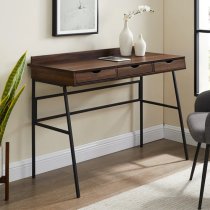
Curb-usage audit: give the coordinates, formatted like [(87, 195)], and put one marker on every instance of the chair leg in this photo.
[(205, 165), (195, 160)]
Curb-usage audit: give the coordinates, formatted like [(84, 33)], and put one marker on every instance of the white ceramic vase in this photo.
[(140, 46), (126, 40)]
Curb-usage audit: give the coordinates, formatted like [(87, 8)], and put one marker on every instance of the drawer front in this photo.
[(133, 71), (95, 76), (169, 65)]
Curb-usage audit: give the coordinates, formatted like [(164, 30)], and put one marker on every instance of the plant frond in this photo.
[(4, 121), (14, 78)]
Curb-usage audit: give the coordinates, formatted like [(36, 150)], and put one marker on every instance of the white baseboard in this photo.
[(44, 163), (174, 133)]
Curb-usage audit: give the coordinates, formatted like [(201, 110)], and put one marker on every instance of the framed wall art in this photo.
[(71, 17)]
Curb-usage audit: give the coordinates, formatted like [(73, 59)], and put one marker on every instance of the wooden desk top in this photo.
[(74, 69)]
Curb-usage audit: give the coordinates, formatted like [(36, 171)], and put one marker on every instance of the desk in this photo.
[(81, 68)]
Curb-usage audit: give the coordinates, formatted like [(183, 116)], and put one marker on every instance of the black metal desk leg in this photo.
[(74, 164), (34, 118), (180, 115), (141, 111)]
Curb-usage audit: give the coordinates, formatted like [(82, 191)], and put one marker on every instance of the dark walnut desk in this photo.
[(81, 68)]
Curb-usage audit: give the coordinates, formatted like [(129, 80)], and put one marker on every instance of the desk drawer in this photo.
[(133, 71), (169, 65), (95, 76)]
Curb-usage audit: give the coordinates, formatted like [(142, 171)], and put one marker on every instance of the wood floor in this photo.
[(99, 178)]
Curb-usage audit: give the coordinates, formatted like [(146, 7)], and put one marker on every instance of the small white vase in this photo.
[(140, 46), (126, 40)]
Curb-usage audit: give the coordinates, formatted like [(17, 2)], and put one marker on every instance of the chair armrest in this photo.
[(207, 129), (202, 103)]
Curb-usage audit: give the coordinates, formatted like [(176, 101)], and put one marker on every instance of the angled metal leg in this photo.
[(195, 160), (74, 163), (205, 165), (141, 111), (34, 118), (180, 115)]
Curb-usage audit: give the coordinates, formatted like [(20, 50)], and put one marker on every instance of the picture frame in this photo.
[(73, 17)]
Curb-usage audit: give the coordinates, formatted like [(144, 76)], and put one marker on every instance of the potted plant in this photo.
[(9, 98)]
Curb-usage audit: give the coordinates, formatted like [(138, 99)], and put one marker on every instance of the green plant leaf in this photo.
[(14, 78), (4, 121), (4, 105), (9, 96), (3, 102)]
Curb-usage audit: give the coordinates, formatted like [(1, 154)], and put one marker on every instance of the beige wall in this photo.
[(179, 39), (26, 25)]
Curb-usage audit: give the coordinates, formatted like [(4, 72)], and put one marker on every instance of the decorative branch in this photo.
[(141, 9)]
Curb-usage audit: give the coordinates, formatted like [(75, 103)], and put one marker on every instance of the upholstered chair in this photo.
[(199, 127)]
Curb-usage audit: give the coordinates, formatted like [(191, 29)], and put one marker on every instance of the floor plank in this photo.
[(99, 178)]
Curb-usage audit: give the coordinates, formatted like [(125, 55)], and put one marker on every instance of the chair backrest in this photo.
[(202, 103)]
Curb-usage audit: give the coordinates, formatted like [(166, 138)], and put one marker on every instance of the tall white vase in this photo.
[(140, 46), (126, 40)]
